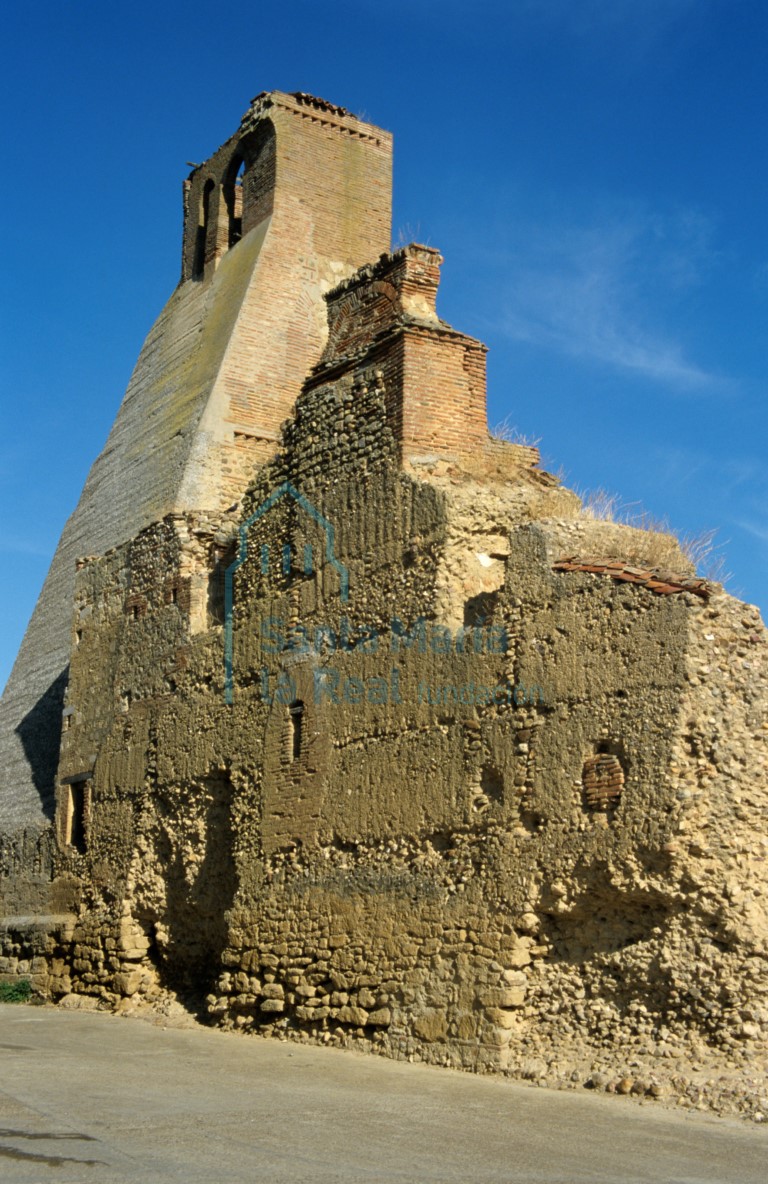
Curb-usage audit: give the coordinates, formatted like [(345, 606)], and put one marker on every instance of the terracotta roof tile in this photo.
[(663, 583)]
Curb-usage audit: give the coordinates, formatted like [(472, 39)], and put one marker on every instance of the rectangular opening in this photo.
[(76, 803), (296, 719)]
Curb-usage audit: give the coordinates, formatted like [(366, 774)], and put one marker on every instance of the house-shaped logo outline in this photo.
[(284, 490)]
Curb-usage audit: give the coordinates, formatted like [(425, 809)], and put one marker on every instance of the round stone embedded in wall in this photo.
[(603, 780)]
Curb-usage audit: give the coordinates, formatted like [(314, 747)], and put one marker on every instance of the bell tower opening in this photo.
[(203, 223), (233, 197)]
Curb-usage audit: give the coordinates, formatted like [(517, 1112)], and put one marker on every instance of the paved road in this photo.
[(95, 1098)]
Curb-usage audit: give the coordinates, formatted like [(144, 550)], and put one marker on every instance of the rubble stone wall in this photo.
[(428, 873)]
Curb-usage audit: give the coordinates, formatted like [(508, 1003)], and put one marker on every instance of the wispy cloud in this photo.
[(733, 473), (756, 529), (741, 481), (591, 292)]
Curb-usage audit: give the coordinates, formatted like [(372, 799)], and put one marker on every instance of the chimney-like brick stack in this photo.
[(384, 317)]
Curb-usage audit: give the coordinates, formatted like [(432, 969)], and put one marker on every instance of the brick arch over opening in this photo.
[(223, 206), (258, 151)]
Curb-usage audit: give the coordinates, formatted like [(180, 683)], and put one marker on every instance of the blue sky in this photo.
[(594, 172)]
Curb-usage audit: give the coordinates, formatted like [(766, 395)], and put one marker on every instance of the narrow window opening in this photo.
[(223, 558), (233, 195), (78, 794), (296, 716), (204, 216)]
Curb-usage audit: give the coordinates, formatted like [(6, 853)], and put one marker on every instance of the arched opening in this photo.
[(233, 196), (296, 717), (257, 192), (203, 222)]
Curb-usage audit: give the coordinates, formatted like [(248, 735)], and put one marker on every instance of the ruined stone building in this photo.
[(341, 718)]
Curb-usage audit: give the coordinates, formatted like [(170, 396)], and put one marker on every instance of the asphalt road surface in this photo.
[(95, 1098)]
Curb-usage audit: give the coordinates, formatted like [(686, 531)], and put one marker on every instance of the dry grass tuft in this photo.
[(706, 554), (407, 234), (601, 505), (511, 435), (663, 542)]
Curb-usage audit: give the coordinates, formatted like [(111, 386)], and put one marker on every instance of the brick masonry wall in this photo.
[(385, 318), (443, 404)]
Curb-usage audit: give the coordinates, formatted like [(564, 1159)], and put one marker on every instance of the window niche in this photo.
[(221, 559), (135, 607), (602, 777), (479, 610), (75, 813), (488, 790), (295, 732)]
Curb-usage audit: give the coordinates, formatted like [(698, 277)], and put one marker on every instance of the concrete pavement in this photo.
[(93, 1097)]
